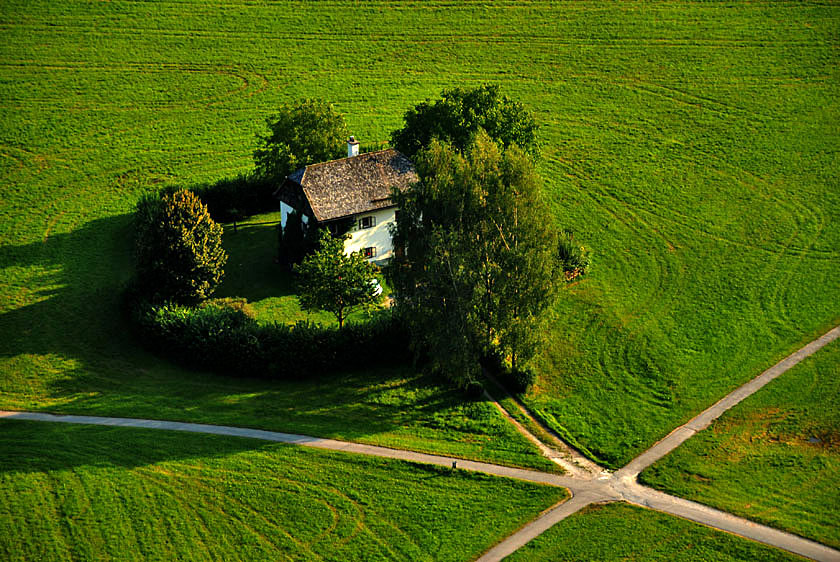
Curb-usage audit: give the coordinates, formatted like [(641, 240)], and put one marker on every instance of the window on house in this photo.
[(369, 252), (367, 222)]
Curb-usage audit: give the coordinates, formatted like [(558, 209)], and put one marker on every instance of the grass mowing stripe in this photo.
[(97, 492), (773, 458), (686, 144)]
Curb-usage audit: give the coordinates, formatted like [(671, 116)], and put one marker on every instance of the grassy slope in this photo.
[(758, 459), (92, 493), (687, 144), (630, 533)]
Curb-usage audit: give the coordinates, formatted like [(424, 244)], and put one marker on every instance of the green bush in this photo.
[(573, 258), (247, 194), (521, 380), (178, 248), (221, 336), (517, 380)]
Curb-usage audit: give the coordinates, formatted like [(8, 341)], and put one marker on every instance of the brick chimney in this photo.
[(352, 147)]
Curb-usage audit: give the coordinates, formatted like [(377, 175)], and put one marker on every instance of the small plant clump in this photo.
[(572, 257)]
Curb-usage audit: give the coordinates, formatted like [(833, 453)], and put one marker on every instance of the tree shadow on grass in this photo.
[(65, 347), (44, 446)]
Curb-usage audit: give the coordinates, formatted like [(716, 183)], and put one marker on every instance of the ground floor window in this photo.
[(369, 252)]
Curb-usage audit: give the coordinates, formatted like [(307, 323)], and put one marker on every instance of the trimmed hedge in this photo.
[(233, 198), (223, 338)]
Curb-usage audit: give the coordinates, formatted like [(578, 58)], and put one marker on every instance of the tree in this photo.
[(459, 114), (334, 281), (178, 248), (309, 132), (478, 266)]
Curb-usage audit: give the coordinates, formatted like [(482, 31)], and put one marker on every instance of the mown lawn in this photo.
[(252, 273), (689, 145), (620, 531), (774, 458), (95, 493)]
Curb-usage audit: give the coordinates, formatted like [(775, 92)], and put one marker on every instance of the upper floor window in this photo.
[(367, 222)]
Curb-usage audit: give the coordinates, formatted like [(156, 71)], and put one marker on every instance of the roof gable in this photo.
[(353, 185)]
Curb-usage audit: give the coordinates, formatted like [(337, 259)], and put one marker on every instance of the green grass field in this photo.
[(621, 531), (94, 493), (774, 458), (689, 145)]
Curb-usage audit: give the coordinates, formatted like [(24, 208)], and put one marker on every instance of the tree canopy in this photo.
[(305, 133), (178, 248), (460, 113), (479, 260), (334, 281)]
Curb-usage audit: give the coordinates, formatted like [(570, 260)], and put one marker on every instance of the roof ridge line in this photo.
[(349, 157)]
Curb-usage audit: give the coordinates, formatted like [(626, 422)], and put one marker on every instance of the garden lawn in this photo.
[(774, 458), (620, 531), (93, 493), (690, 146), (251, 272)]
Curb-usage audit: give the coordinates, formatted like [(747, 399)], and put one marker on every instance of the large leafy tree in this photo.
[(334, 281), (479, 260), (460, 113), (300, 134), (178, 248)]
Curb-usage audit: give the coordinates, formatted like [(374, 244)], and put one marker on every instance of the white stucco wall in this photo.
[(284, 213), (379, 236)]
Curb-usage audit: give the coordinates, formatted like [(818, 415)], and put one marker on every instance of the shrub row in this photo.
[(234, 198), (225, 339)]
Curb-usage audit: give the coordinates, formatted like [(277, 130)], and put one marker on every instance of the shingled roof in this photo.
[(353, 185)]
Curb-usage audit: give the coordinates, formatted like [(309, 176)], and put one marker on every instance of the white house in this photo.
[(351, 195)]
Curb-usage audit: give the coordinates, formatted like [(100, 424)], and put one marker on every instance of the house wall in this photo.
[(379, 236)]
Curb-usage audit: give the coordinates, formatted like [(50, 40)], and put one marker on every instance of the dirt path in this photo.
[(622, 484), (587, 486)]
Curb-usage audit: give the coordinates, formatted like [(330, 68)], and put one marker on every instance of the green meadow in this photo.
[(774, 458), (690, 146), (95, 493), (620, 531)]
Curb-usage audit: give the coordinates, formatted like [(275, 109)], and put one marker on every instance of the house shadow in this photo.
[(252, 270), (66, 347)]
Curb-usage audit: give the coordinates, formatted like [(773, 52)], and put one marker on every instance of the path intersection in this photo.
[(587, 482)]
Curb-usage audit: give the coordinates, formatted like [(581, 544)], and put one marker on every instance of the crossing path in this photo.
[(586, 487)]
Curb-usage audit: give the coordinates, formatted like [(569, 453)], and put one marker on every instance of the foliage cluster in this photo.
[(178, 248), (458, 116), (334, 281), (225, 339), (231, 199), (301, 134), (478, 267), (517, 380), (574, 259)]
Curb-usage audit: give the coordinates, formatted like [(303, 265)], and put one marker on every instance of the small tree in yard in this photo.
[(178, 247), (309, 132), (333, 281)]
